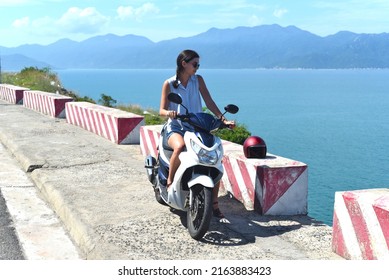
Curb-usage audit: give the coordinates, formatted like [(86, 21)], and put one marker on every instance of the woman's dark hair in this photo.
[(185, 55)]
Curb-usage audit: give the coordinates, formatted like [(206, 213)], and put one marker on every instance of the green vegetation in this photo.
[(33, 78), (107, 101), (40, 79), (46, 80), (237, 135), (151, 116)]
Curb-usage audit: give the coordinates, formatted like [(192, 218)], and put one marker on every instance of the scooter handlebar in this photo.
[(184, 117), (229, 126)]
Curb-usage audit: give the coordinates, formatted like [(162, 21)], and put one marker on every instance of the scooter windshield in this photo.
[(204, 121)]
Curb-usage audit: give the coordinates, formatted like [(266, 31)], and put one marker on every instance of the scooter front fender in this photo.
[(203, 180)]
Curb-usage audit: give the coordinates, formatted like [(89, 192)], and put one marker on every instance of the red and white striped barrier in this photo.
[(12, 94), (149, 137), (271, 186), (361, 224), (47, 103), (115, 125)]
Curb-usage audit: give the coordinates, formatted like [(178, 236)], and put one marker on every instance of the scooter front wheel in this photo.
[(200, 213)]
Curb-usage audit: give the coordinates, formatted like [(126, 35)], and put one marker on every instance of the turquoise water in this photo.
[(335, 121)]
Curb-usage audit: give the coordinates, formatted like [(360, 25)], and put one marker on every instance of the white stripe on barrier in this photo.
[(293, 201), (115, 125), (377, 239), (12, 94), (357, 231), (346, 227), (46, 103)]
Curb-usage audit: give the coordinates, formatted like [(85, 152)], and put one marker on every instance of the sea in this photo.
[(335, 121)]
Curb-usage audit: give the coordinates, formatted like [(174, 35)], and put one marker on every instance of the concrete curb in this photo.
[(77, 229)]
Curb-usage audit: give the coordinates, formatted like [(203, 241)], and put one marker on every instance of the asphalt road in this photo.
[(29, 229), (10, 248)]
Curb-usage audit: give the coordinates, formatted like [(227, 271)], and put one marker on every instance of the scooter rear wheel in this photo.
[(200, 214)]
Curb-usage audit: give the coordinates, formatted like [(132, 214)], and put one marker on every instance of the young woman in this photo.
[(192, 88)]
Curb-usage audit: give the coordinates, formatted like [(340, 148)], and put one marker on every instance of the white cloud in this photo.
[(279, 13), (74, 22), (124, 12), (21, 22), (254, 20), (77, 20)]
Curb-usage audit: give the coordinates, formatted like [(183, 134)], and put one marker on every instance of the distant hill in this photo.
[(265, 46), (16, 62)]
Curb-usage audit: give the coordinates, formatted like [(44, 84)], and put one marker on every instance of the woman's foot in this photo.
[(216, 211)]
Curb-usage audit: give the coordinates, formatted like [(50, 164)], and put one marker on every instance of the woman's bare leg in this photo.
[(176, 142)]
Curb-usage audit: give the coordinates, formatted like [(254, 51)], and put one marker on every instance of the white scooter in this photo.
[(200, 169)]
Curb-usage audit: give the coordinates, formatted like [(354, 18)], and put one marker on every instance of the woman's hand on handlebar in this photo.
[(172, 114), (229, 124)]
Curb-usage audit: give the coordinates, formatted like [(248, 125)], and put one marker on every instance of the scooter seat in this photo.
[(165, 144)]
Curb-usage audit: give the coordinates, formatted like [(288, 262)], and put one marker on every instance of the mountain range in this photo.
[(264, 46)]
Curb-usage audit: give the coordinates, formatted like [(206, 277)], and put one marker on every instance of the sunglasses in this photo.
[(196, 65)]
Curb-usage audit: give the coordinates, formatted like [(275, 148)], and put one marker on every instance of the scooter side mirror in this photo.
[(175, 98), (231, 108)]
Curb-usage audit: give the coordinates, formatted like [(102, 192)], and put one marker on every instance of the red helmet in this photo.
[(254, 147)]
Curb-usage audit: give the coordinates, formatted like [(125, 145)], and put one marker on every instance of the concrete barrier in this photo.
[(12, 94), (361, 224), (115, 125), (271, 186), (47, 103), (149, 136)]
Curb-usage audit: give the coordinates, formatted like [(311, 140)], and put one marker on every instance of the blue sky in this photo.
[(46, 21)]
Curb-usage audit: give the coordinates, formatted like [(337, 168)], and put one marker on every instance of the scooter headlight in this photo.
[(206, 157)]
